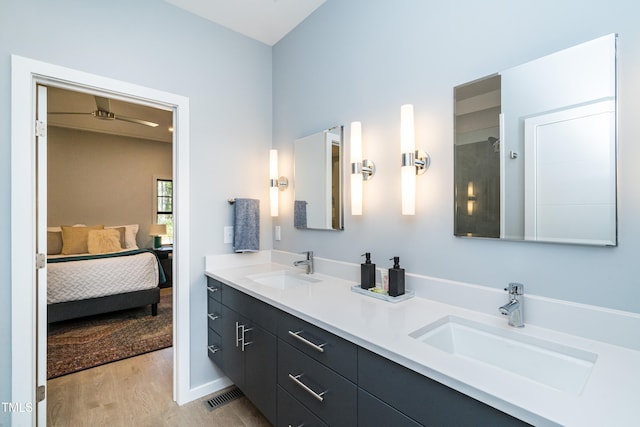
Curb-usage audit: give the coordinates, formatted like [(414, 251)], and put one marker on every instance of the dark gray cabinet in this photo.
[(248, 343), (297, 373)]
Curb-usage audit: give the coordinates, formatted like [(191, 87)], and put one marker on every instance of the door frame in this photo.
[(25, 75)]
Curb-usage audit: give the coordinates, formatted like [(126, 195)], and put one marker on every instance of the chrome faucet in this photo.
[(515, 307), (308, 262)]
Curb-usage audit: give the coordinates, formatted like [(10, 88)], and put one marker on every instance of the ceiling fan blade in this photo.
[(103, 103), (138, 121), (67, 112)]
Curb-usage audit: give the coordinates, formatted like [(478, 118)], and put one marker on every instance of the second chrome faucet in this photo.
[(514, 309), (308, 262)]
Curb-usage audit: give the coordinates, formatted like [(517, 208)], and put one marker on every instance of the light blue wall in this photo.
[(151, 43), (361, 60)]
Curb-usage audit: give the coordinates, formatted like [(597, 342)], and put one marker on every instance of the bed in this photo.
[(89, 279)]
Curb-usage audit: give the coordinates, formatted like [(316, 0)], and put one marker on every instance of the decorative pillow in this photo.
[(103, 241), (74, 239), (54, 242), (130, 235)]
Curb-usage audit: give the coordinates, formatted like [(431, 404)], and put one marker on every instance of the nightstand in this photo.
[(165, 255)]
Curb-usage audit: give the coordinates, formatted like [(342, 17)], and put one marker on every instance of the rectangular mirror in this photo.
[(318, 181), (535, 149)]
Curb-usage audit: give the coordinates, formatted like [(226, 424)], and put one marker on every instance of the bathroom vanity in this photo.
[(296, 373), (307, 350)]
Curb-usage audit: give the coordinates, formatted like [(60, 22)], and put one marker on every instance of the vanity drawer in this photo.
[(325, 347), (328, 395), (214, 288), (214, 347), (214, 315), (293, 413)]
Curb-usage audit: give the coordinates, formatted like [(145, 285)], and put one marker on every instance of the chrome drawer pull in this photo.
[(296, 379), (317, 347), (211, 289), (213, 316), (213, 349)]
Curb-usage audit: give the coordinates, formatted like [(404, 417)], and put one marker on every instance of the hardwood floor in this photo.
[(137, 392)]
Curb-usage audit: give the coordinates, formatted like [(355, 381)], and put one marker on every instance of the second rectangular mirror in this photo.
[(318, 180)]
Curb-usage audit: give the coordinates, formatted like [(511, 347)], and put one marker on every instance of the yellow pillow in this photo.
[(103, 241), (74, 239), (54, 242)]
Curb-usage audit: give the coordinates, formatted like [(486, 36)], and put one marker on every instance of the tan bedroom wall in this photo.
[(105, 179)]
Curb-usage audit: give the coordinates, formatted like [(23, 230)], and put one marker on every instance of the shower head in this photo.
[(493, 140)]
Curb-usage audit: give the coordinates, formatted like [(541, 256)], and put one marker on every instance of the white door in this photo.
[(41, 249), (578, 143)]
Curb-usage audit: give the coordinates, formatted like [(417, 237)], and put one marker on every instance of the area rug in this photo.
[(74, 345)]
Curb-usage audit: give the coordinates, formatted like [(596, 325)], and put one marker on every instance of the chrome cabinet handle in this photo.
[(213, 349), (237, 335), (244, 344), (296, 379), (212, 289), (317, 347), (213, 316)]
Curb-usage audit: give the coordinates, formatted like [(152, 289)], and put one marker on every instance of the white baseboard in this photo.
[(204, 390)]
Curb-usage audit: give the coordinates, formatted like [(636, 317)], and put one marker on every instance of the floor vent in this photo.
[(224, 398)]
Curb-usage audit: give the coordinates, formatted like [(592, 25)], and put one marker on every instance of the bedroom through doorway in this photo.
[(109, 181)]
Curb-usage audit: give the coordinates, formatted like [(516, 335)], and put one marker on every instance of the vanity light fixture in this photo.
[(471, 198), (414, 162), (275, 182), (361, 170)]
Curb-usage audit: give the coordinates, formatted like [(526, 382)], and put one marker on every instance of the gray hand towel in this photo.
[(246, 225), (300, 214)]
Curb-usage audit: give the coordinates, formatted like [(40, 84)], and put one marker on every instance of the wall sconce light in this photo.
[(414, 162), (157, 231), (471, 198), (361, 170), (275, 182)]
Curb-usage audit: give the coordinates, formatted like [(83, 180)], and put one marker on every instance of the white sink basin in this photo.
[(283, 279), (555, 365)]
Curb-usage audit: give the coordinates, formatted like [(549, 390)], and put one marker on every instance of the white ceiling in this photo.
[(264, 20)]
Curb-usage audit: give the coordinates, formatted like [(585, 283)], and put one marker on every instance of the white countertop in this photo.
[(610, 397)]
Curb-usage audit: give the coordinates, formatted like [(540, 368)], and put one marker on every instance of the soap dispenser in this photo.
[(367, 273), (396, 278)]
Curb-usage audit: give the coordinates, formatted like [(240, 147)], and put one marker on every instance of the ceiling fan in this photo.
[(103, 112)]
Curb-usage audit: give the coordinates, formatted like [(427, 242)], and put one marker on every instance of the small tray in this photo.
[(407, 294)]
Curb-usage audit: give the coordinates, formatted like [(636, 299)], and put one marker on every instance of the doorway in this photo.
[(28, 320), (102, 157)]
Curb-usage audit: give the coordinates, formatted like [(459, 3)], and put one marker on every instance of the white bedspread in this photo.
[(77, 280)]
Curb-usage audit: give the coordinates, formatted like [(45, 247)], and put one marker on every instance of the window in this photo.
[(164, 207)]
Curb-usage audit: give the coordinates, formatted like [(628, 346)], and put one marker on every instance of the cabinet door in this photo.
[(423, 399), (232, 355), (260, 370)]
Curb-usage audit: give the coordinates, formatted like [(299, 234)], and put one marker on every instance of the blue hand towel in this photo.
[(246, 225), (300, 214)]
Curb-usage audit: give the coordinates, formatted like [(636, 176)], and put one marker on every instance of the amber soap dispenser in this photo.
[(396, 278)]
